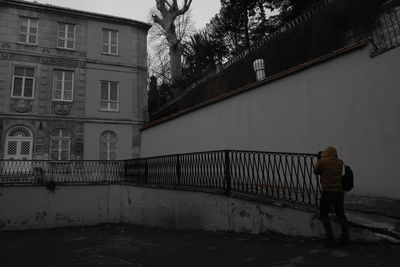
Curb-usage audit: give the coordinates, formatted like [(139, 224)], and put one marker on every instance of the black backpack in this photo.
[(348, 178)]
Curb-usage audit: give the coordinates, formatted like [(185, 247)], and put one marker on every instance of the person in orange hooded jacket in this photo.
[(330, 167)]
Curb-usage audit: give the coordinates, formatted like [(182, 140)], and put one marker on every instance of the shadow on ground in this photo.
[(129, 245)]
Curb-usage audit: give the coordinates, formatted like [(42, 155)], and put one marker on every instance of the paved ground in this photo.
[(381, 206), (127, 245)]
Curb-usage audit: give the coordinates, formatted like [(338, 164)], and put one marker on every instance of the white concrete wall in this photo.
[(177, 209), (23, 208), (35, 207), (351, 102)]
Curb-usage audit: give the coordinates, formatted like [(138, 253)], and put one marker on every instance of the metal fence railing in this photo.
[(386, 33), (285, 176), (15, 172)]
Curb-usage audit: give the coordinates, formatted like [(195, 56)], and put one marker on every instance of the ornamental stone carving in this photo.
[(5, 56), (6, 45), (61, 108), (39, 148), (45, 60), (21, 105)]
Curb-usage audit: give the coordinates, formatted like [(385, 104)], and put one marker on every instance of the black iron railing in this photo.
[(386, 33), (285, 176), (15, 172)]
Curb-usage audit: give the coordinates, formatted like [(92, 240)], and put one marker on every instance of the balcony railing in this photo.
[(285, 176)]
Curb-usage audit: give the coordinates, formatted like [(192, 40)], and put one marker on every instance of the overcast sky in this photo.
[(202, 10)]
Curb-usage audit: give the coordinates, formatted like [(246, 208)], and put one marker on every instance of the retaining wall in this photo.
[(35, 207), (350, 102), (23, 208)]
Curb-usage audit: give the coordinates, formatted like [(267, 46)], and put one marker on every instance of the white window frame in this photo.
[(28, 32), (108, 43), (18, 139), (65, 37), (62, 86), (59, 148), (108, 100), (24, 78), (107, 136)]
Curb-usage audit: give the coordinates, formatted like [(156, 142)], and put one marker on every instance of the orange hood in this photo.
[(329, 153)]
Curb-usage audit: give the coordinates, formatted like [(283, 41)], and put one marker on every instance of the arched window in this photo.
[(108, 146), (19, 143), (60, 145), (19, 131)]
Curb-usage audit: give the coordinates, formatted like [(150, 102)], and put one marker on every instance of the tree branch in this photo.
[(160, 4), (157, 18), (174, 5), (168, 4), (185, 7)]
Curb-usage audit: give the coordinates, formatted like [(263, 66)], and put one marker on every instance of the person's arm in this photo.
[(318, 168)]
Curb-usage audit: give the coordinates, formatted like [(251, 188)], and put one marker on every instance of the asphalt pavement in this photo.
[(130, 245)]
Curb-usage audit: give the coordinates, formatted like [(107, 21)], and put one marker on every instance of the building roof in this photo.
[(74, 12)]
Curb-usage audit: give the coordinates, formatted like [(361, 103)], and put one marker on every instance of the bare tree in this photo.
[(167, 12), (158, 54)]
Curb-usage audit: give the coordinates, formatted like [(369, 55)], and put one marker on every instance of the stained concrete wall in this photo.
[(350, 102), (35, 207), (212, 212), (23, 208)]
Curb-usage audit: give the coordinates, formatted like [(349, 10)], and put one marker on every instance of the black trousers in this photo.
[(335, 199)]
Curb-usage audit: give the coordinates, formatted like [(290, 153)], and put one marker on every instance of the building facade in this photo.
[(72, 83)]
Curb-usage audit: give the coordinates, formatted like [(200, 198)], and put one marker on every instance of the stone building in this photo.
[(72, 83)]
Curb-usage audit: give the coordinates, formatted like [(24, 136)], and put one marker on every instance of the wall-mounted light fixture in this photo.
[(259, 68)]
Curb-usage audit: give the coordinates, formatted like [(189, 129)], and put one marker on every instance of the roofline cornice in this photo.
[(74, 12)]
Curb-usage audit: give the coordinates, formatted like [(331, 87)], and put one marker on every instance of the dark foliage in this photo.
[(165, 93), (153, 100), (239, 25)]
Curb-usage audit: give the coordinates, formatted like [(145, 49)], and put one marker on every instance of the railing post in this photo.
[(227, 172), (125, 171), (146, 171), (178, 170)]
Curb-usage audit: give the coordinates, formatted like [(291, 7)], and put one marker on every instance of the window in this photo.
[(63, 84), (19, 143), (66, 36), (60, 143), (109, 96), (110, 42), (108, 146), (23, 82), (28, 30)]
